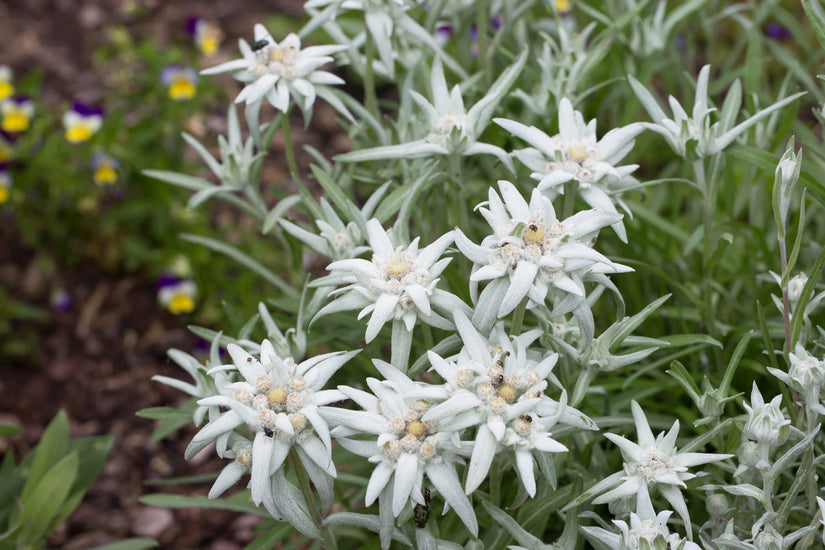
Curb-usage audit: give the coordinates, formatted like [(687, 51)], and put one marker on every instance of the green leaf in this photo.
[(43, 503), (805, 297), (52, 447), (816, 15), (238, 502), (163, 413), (130, 544), (680, 373), (93, 452), (187, 480), (245, 260), (8, 430), (691, 339), (333, 190)]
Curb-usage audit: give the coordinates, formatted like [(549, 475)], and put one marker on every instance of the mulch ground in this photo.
[(96, 360)]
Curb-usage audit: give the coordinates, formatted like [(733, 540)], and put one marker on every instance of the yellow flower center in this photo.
[(577, 153), (564, 6), (276, 396), (78, 133), (534, 233), (181, 303), (4, 194), (416, 428), (15, 121), (105, 175), (6, 89), (397, 268), (182, 89), (276, 54), (507, 392)]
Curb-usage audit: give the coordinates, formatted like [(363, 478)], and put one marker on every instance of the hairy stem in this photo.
[(327, 539)]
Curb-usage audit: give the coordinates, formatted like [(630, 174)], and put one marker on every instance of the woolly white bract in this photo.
[(532, 254)]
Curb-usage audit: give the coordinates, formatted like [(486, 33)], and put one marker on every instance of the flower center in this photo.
[(577, 152), (397, 268)]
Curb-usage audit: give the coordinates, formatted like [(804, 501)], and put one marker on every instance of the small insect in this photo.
[(533, 227), (421, 513), (526, 418), (248, 359), (259, 44), (268, 432), (498, 380)]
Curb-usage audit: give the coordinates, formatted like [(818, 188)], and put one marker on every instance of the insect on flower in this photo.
[(259, 44), (268, 432)]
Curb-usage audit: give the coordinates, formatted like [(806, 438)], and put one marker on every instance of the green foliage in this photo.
[(40, 492)]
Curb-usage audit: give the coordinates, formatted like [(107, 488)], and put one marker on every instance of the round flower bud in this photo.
[(242, 396), (485, 390), (416, 429), (297, 383), (391, 448), (244, 457), (421, 406), (427, 450), (266, 418), (748, 454), (398, 425), (410, 443), (464, 378), (260, 401), (497, 405), (294, 401), (298, 421), (410, 416), (263, 383), (717, 505)]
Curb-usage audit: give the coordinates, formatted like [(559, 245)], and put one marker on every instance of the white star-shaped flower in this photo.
[(404, 447), (398, 283), (278, 399), (535, 255), (652, 462), (575, 154), (282, 71)]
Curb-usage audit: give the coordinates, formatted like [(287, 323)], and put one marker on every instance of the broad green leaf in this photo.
[(8, 430), (52, 447), (43, 503)]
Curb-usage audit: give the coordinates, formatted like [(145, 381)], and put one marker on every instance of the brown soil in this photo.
[(96, 360)]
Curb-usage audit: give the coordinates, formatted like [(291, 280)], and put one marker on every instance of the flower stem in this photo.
[(327, 539), (495, 483), (786, 308), (518, 317)]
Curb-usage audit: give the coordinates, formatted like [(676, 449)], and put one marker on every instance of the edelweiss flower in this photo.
[(336, 240), (652, 462), (280, 72), (497, 386), (575, 154), (647, 529), (407, 447), (767, 424), (278, 399), (695, 136), (806, 375), (535, 255), (383, 19), (236, 159), (453, 129), (397, 283)]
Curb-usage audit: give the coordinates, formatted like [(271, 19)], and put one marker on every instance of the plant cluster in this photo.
[(517, 304)]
